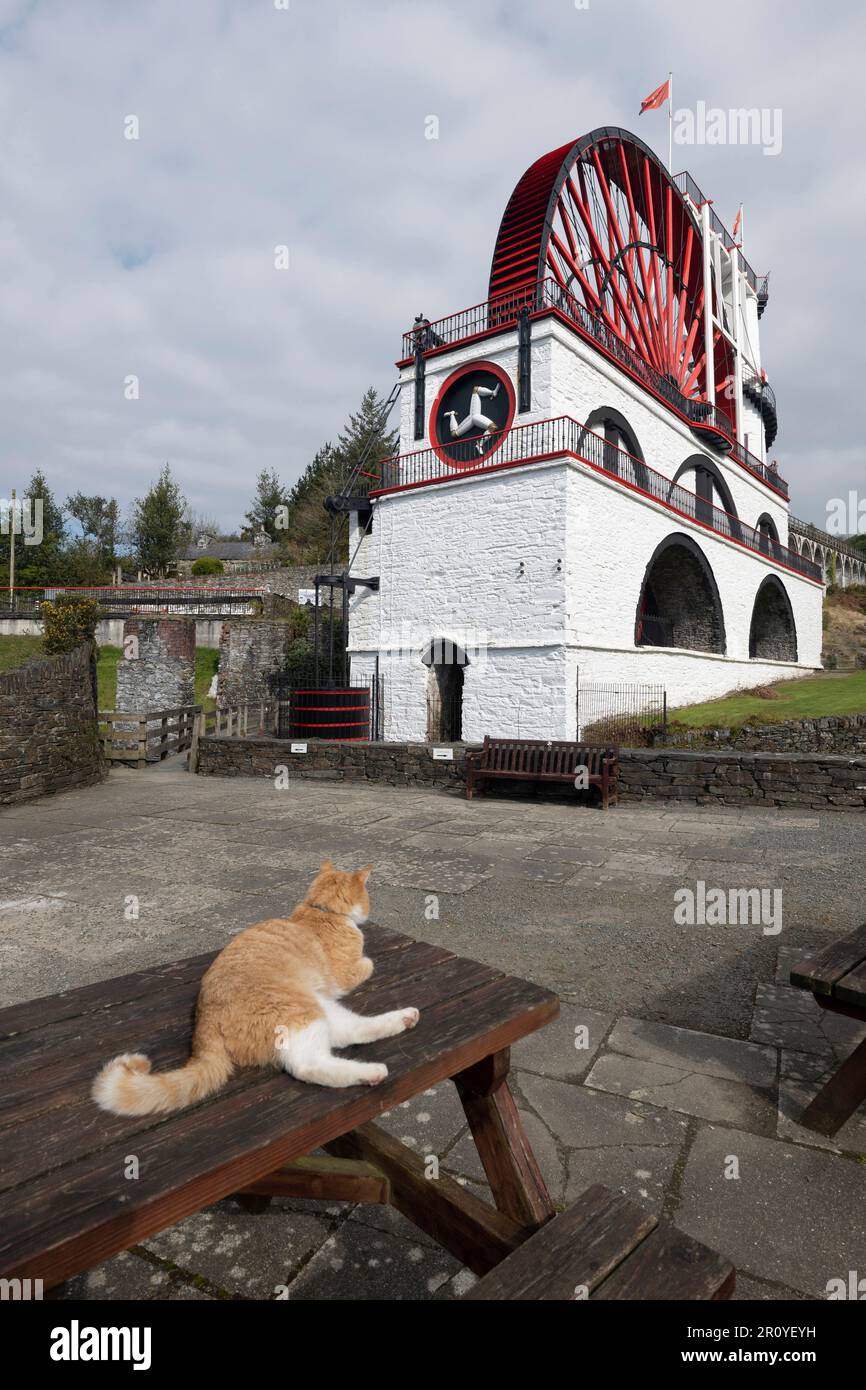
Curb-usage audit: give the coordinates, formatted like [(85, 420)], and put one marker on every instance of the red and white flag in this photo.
[(737, 222), (656, 98)]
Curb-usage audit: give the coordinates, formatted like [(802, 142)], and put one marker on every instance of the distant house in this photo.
[(238, 557)]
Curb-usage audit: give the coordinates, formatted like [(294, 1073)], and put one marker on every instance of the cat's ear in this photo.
[(326, 866), (364, 874)]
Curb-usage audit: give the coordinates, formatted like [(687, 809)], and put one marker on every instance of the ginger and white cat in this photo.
[(270, 999)]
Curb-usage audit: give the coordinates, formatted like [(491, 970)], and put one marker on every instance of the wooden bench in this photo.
[(67, 1201), (606, 1247), (836, 976), (540, 760)]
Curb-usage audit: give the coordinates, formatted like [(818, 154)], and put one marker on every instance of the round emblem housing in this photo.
[(472, 414)]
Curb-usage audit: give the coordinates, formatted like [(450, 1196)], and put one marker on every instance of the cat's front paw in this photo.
[(374, 1074), (410, 1017)]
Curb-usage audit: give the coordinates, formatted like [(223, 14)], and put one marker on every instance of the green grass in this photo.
[(810, 698), (14, 651)]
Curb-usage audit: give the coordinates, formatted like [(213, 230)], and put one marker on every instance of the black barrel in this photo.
[(342, 714)]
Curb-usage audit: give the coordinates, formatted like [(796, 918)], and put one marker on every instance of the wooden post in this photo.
[(142, 742), (515, 1178)]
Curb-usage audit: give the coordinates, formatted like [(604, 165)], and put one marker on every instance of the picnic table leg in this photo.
[(512, 1170), (838, 1099)]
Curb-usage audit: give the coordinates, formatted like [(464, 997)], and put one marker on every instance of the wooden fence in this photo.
[(146, 737)]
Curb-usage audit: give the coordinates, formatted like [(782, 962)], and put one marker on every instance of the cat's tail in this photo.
[(126, 1085)]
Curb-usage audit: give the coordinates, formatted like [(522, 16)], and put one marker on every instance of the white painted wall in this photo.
[(537, 572)]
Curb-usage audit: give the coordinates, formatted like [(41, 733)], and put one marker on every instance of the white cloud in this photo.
[(262, 127)]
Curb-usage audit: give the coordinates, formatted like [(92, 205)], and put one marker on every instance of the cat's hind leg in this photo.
[(346, 1027), (306, 1054)]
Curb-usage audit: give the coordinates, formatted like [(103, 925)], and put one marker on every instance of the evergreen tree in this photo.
[(157, 526), (366, 436), (40, 563), (306, 539), (264, 514)]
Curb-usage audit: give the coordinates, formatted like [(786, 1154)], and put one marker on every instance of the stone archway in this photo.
[(773, 632), (445, 662), (679, 604)]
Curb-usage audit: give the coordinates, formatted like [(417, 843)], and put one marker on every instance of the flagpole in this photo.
[(670, 123)]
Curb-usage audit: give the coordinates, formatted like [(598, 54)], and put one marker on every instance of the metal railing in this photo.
[(825, 540), (564, 436), (686, 184), (771, 476), (501, 312)]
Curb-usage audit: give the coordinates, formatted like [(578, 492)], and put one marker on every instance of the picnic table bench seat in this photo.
[(544, 760), (67, 1201), (836, 977)]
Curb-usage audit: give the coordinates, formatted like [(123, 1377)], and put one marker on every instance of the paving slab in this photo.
[(580, 1118), (794, 1215), (129, 1277), (706, 1053), (791, 1018), (244, 1254), (802, 1076), (359, 1263), (685, 1090), (566, 1047)]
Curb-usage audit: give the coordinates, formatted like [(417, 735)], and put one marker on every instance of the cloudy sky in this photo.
[(302, 123)]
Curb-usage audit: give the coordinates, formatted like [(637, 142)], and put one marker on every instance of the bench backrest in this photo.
[(558, 758)]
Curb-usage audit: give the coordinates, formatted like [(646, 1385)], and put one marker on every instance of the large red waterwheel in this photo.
[(603, 219)]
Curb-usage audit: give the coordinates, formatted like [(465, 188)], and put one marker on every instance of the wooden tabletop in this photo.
[(837, 972), (65, 1200)]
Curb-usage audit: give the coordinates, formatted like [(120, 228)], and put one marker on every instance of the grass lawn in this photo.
[(810, 698), (14, 651)]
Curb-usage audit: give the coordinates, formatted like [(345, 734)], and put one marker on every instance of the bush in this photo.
[(208, 564), (68, 622)]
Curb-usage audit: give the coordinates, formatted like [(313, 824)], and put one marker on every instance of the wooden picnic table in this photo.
[(836, 976), (66, 1202), (70, 1197)]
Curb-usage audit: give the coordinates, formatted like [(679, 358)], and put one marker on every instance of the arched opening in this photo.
[(768, 535), (619, 438), (445, 662), (773, 633), (705, 479), (679, 602)]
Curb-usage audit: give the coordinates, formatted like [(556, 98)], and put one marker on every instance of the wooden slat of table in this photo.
[(56, 1222), (821, 970), (577, 1250), (669, 1265)]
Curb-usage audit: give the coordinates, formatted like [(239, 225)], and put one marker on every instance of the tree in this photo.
[(157, 526), (99, 519), (264, 514), (68, 622), (366, 436), (306, 539), (40, 563), (364, 442)]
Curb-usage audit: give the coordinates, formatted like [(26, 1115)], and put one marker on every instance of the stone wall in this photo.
[(759, 780), (838, 734), (162, 674), (251, 649), (49, 740)]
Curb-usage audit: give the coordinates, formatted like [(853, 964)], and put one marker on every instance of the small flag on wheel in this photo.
[(656, 98), (737, 222)]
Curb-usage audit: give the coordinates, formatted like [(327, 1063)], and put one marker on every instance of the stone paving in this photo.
[(675, 1073)]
